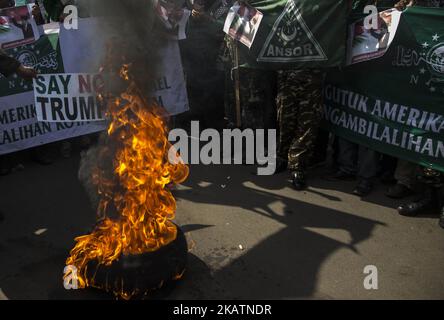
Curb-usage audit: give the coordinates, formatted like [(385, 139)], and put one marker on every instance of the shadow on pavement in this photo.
[(284, 265)]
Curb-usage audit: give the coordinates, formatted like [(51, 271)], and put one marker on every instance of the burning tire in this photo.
[(138, 276)]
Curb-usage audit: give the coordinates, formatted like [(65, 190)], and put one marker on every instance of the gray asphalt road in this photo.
[(249, 237)]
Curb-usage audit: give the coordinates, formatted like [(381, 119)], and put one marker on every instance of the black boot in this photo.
[(298, 180), (424, 204)]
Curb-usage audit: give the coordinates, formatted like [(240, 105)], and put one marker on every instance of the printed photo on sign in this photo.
[(174, 17), (17, 27), (242, 23), (68, 97), (366, 44)]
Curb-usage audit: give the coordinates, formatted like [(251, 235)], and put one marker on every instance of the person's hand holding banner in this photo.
[(26, 73)]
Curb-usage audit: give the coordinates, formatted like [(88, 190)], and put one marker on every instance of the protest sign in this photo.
[(170, 90), (174, 18), (82, 50), (68, 97), (21, 130), (366, 44), (242, 23), (82, 53), (19, 126), (395, 104), (17, 27)]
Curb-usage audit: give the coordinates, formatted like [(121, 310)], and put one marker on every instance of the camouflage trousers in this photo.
[(299, 110)]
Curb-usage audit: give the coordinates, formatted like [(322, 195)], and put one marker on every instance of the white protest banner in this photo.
[(170, 90), (82, 51), (20, 129), (367, 44), (242, 23), (68, 97), (17, 27)]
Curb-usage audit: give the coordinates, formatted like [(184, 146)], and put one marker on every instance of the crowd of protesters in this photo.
[(46, 154), (288, 100), (291, 101)]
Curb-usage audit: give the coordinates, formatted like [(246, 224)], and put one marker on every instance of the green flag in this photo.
[(41, 55), (395, 104), (298, 34)]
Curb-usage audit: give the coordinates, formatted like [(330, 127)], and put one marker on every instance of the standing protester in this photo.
[(430, 181), (405, 176), (256, 91), (431, 199), (248, 91), (355, 160), (348, 154), (54, 9), (299, 108), (9, 66), (360, 161), (205, 82)]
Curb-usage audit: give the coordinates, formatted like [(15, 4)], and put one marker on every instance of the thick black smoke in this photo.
[(133, 38)]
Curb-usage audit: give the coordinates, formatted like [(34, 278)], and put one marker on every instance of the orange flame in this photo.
[(137, 189)]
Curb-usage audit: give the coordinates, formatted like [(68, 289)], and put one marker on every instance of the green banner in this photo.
[(395, 104), (298, 34), (41, 55)]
